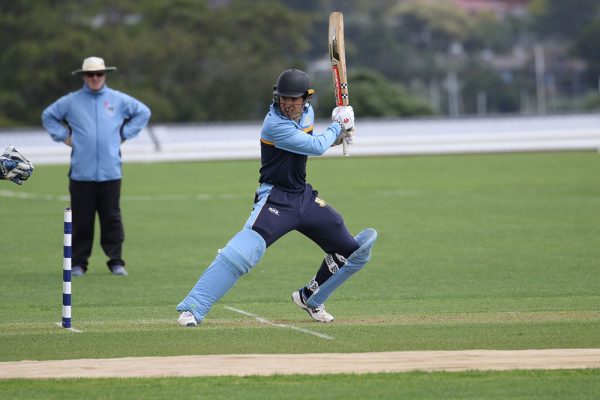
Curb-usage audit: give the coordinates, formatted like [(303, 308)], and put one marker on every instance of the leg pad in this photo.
[(237, 258), (357, 260)]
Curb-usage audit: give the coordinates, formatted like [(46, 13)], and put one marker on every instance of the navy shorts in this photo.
[(305, 212)]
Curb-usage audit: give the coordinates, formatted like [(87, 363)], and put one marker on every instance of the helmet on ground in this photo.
[(293, 83)]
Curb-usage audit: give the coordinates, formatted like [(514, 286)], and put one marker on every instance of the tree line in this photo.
[(217, 60)]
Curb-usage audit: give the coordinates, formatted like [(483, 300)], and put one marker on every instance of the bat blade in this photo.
[(337, 56)]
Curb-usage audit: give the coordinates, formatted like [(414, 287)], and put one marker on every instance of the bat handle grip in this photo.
[(346, 143), (345, 147)]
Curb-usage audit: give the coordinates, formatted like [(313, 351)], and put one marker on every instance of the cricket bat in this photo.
[(337, 55)]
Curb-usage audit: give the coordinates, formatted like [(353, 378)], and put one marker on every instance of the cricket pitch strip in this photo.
[(308, 364)]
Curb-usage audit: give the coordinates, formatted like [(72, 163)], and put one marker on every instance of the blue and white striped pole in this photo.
[(66, 309)]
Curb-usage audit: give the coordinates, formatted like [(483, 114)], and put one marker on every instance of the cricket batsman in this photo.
[(284, 202)]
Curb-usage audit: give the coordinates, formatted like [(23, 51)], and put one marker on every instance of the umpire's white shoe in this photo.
[(186, 318), (318, 314), (118, 270)]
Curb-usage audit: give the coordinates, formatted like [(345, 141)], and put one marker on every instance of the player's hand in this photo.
[(14, 166), (344, 115), (344, 136)]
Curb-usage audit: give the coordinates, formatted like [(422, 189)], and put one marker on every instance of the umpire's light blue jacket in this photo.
[(97, 122)]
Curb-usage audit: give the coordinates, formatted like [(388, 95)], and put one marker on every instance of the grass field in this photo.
[(474, 252)]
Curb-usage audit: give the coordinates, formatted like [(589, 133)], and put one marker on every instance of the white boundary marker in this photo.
[(174, 197), (265, 321), (33, 196)]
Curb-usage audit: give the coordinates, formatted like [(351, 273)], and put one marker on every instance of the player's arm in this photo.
[(52, 118), (14, 166), (285, 135), (137, 114), (296, 141)]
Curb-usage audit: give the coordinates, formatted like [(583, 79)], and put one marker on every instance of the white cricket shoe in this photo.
[(318, 314), (186, 318)]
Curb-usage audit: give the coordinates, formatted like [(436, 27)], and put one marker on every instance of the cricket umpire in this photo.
[(95, 121), (283, 202)]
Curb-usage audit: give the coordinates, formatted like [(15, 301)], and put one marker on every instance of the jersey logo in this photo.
[(110, 110), (320, 201)]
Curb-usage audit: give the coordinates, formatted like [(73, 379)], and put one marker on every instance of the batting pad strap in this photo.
[(366, 239)]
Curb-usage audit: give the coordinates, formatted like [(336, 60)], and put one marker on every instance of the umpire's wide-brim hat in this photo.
[(93, 64)]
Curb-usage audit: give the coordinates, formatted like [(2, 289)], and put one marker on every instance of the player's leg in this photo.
[(112, 233), (325, 226), (83, 205), (327, 229), (237, 258), (354, 263)]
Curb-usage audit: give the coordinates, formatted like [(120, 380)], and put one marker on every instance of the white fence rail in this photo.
[(374, 137)]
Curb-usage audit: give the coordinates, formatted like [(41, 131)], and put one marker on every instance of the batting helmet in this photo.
[(293, 83)]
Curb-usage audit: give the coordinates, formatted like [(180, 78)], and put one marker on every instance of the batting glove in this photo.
[(344, 115)]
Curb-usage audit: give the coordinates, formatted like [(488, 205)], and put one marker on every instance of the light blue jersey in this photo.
[(98, 122), (285, 145)]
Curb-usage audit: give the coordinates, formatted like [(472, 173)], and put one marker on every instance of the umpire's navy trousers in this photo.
[(87, 199)]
